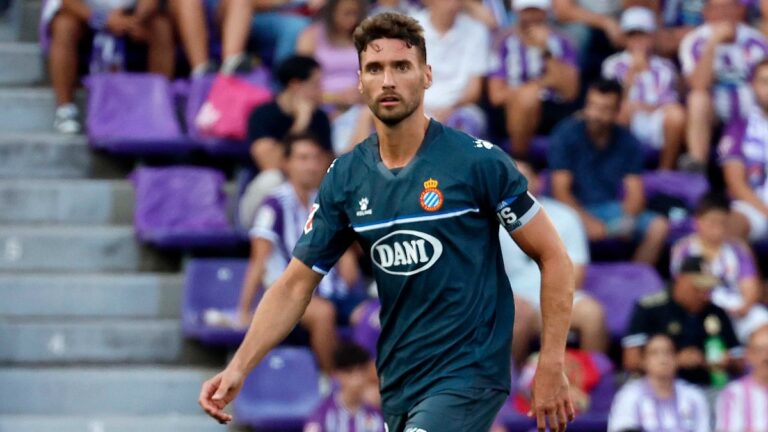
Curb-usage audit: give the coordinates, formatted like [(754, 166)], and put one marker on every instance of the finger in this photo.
[(554, 424), (570, 411), (562, 419), (541, 420), (221, 392), (205, 393)]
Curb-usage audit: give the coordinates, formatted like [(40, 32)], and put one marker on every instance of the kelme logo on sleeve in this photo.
[(406, 252)]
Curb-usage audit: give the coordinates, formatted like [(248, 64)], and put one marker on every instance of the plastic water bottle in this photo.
[(714, 352), (108, 53)]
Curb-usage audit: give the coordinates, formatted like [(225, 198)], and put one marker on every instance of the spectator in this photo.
[(406, 7), (582, 18), (739, 290), (140, 21), (717, 59), (294, 111), (534, 75), (651, 106), (659, 402), (459, 49), (588, 317), (678, 18), (592, 158), (741, 406), (744, 155), (346, 408), (276, 228), (701, 331)]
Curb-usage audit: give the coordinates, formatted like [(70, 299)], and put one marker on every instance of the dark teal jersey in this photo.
[(431, 230)]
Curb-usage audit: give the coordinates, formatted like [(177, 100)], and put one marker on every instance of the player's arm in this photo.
[(277, 314), (540, 241)]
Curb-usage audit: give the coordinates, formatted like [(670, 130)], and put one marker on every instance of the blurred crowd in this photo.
[(588, 96)]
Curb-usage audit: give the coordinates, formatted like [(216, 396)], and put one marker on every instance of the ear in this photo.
[(359, 82), (427, 76)]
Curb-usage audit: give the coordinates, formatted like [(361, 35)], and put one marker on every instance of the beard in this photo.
[(392, 117)]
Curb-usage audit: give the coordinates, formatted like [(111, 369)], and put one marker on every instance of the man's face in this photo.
[(353, 381), (760, 85), (306, 164), (393, 79), (601, 111), (311, 89), (695, 299), (530, 17), (723, 11), (757, 351), (639, 42), (711, 225), (347, 16), (659, 359)]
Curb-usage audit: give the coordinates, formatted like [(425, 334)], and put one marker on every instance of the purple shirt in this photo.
[(518, 63), (747, 142), (732, 67), (655, 86), (332, 416)]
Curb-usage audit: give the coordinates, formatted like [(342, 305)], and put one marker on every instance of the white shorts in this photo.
[(648, 127), (758, 223)]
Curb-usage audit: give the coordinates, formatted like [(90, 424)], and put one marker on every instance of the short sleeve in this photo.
[(327, 232), (747, 268), (690, 51), (639, 328), (558, 155), (268, 223), (497, 67), (730, 146), (265, 122), (623, 414), (503, 190), (565, 51)]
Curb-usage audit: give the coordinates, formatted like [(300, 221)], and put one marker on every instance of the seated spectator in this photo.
[(717, 59), (588, 317), (459, 49), (295, 111), (744, 156), (582, 18), (346, 408), (592, 158), (701, 331), (659, 402), (533, 75), (677, 18), (140, 21), (276, 229), (650, 106), (739, 291), (741, 406)]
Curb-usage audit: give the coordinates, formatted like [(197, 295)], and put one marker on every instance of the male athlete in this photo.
[(425, 201)]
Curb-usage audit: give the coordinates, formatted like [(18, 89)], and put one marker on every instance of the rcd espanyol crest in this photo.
[(431, 198)]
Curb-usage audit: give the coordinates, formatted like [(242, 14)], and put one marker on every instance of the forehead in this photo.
[(388, 50), (659, 342)]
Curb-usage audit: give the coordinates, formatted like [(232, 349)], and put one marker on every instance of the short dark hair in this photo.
[(607, 86), (349, 356), (290, 141), (710, 203), (390, 25), (296, 67)]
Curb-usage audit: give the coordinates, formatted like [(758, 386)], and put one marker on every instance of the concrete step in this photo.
[(28, 109), (101, 391), (93, 202), (90, 341), (24, 63), (51, 155), (77, 249), (30, 20), (109, 295), (11, 22), (99, 423)]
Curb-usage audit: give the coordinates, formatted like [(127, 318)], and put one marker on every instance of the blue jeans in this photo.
[(276, 33), (612, 215)]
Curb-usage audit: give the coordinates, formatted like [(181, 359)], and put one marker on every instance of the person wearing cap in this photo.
[(534, 75), (686, 313), (650, 105), (717, 59)]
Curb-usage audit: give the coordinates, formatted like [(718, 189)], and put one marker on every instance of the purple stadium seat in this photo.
[(687, 186), (617, 287), (133, 114), (212, 284), (281, 392), (182, 207)]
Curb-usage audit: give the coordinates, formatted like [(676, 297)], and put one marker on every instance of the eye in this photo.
[(402, 67), (374, 68)]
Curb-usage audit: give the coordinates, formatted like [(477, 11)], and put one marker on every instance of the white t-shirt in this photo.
[(636, 407), (523, 273), (456, 57), (741, 406)]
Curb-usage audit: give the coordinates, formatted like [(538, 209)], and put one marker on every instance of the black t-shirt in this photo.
[(658, 313), (269, 121)]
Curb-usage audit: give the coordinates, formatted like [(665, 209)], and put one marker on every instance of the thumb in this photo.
[(221, 391)]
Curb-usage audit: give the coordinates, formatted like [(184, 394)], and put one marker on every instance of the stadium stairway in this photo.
[(90, 337)]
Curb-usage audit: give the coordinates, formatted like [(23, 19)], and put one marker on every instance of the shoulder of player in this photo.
[(655, 300)]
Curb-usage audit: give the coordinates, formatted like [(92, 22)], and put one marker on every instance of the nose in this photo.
[(389, 82)]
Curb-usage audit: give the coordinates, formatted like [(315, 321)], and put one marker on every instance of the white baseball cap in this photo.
[(526, 4), (638, 19)]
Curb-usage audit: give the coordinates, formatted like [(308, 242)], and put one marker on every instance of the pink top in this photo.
[(339, 64)]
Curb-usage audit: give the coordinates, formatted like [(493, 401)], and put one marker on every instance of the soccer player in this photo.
[(425, 202)]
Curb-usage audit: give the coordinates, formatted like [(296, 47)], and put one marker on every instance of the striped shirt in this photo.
[(732, 67), (654, 86), (747, 141), (636, 407), (518, 63), (332, 416), (280, 220), (742, 406)]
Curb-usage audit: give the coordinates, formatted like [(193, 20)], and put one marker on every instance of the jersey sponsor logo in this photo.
[(483, 144), (406, 252), (364, 210), (431, 198), (311, 218)]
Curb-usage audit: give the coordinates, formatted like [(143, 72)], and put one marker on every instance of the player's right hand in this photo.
[(219, 391)]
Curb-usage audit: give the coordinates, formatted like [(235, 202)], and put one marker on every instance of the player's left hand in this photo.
[(551, 401)]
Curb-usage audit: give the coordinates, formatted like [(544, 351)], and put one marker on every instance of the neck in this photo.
[(285, 101), (302, 193), (600, 138), (760, 376), (442, 23), (398, 144), (663, 387), (351, 403), (709, 246)]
